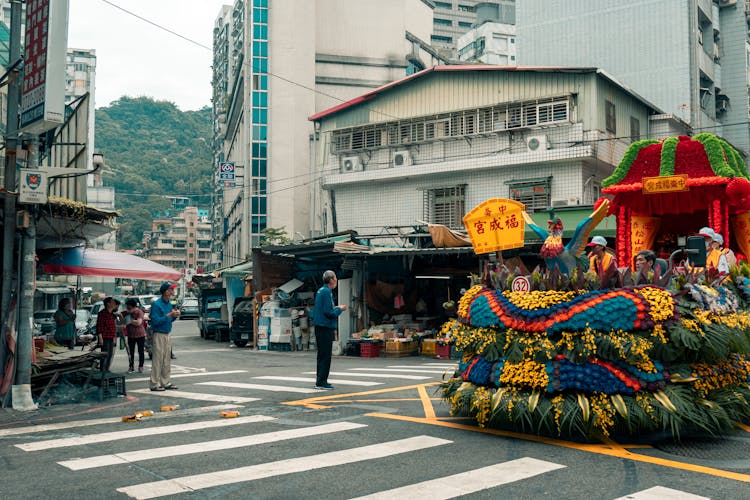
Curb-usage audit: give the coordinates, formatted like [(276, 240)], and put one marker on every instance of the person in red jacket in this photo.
[(106, 329), (135, 330)]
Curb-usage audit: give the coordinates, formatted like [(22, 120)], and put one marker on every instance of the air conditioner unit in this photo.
[(567, 202), (351, 164), (722, 105), (537, 142), (402, 159)]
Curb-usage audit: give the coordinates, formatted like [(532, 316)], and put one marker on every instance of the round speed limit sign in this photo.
[(521, 284)]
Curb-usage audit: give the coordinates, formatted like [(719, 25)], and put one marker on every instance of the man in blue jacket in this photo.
[(162, 316), (325, 320)]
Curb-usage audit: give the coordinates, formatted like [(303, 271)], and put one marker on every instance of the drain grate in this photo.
[(708, 448)]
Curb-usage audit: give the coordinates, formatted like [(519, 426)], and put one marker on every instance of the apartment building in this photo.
[(275, 64), (689, 57), (182, 242), (490, 41), (453, 18)]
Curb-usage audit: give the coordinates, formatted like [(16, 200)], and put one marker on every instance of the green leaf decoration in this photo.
[(533, 400), (668, 155), (583, 402), (627, 161), (619, 405), (715, 154)]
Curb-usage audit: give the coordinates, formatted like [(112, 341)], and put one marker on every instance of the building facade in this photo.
[(545, 137), (280, 63), (80, 79), (689, 57), (182, 242), (489, 43), (453, 18)]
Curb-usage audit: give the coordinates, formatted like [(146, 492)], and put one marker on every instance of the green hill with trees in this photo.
[(152, 149)]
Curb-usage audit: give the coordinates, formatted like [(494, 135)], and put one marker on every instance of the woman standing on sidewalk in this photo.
[(135, 330)]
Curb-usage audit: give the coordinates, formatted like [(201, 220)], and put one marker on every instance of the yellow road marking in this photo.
[(429, 411), (608, 448), (384, 400), (614, 450), (313, 403)]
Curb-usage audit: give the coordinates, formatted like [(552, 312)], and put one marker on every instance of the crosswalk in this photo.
[(93, 445)]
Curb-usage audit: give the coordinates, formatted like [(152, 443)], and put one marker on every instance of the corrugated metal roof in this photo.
[(367, 96)]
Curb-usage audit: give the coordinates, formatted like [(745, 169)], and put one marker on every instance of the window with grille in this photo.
[(611, 118), (534, 193), (635, 129), (445, 206)]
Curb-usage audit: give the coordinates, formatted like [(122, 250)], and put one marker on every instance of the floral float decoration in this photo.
[(602, 362)]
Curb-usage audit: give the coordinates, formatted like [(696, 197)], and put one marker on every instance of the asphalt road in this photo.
[(381, 432)]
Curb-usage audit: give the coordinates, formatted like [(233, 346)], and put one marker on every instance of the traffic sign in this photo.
[(521, 284)]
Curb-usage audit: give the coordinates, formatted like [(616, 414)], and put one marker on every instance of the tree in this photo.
[(275, 236)]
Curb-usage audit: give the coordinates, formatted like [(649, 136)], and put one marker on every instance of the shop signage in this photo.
[(665, 184), (496, 224), (226, 174), (32, 186), (43, 88), (642, 233), (521, 284)]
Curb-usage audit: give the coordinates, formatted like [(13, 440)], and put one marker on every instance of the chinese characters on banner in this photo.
[(642, 233), (741, 226), (496, 224), (665, 184)]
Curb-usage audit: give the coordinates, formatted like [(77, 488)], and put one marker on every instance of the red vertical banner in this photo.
[(643, 232)]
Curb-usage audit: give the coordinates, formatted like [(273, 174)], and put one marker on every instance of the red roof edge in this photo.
[(454, 67)]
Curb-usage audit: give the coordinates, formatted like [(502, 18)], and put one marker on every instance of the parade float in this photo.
[(564, 352)]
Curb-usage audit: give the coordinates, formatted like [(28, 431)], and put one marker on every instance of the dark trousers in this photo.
[(131, 348), (108, 347), (324, 340)]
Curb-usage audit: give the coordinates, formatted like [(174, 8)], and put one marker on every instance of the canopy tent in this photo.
[(95, 262)]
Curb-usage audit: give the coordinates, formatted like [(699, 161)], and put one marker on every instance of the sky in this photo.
[(135, 58)]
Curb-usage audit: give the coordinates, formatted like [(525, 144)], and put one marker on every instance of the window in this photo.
[(464, 24), (610, 117), (445, 206), (465, 8), (443, 5), (534, 193), (442, 39), (443, 22), (635, 129)]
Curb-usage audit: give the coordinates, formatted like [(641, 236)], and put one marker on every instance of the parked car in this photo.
[(189, 309), (46, 321), (242, 330), (213, 321), (146, 301)]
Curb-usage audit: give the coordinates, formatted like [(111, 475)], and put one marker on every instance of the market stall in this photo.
[(564, 356)]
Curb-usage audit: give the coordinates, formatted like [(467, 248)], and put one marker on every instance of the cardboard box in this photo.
[(282, 326)]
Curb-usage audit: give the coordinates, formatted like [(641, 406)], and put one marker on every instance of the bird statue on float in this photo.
[(567, 257)]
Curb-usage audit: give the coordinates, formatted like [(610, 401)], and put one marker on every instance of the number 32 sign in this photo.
[(521, 284)]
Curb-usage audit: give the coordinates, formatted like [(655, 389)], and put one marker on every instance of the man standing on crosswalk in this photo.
[(162, 316), (325, 320)]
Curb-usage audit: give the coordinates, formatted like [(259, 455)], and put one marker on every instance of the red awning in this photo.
[(96, 262)]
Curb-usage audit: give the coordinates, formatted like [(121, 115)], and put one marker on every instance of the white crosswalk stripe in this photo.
[(261, 387), (206, 446), (29, 429), (183, 375), (469, 482), (217, 398), (661, 493), (426, 369), (376, 375), (244, 474), (312, 380), (405, 370), (143, 431)]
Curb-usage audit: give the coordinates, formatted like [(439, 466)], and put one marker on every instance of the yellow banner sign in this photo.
[(642, 234), (741, 226), (665, 184), (496, 224)]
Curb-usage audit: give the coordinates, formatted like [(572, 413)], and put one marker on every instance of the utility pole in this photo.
[(21, 394), (11, 143)]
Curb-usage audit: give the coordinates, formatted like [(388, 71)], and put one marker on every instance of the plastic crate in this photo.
[(443, 351), (279, 346), (110, 384), (369, 349), (428, 347)]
